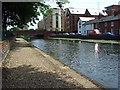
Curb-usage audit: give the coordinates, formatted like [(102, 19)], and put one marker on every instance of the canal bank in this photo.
[(88, 40), (29, 67)]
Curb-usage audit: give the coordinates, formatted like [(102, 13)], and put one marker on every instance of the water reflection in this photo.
[(96, 47), (96, 50), (95, 60)]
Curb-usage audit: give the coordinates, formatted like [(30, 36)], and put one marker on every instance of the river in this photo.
[(97, 61)]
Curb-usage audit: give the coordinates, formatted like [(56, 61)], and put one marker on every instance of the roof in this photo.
[(103, 13), (112, 6), (92, 21), (93, 11), (110, 18), (104, 19), (77, 11), (86, 18)]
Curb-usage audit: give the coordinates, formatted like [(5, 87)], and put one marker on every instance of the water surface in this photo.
[(95, 60)]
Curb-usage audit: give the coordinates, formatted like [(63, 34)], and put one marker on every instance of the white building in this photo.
[(54, 20), (83, 27)]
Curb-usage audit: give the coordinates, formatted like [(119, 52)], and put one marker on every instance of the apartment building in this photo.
[(112, 9), (110, 23), (82, 27), (73, 14), (54, 21)]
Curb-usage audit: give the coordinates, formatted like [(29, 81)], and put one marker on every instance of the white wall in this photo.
[(57, 10), (88, 27), (79, 24), (84, 28)]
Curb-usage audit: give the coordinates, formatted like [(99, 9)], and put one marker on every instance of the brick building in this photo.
[(109, 23), (113, 9), (73, 14)]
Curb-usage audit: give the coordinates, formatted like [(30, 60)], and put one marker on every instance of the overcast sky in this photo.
[(97, 4)]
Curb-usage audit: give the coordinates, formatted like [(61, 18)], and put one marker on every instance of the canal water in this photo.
[(95, 60)]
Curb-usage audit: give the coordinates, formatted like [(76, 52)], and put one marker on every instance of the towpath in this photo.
[(28, 67)]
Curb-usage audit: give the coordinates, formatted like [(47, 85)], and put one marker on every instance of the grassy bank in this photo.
[(89, 40)]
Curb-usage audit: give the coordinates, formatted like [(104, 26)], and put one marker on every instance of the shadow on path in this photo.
[(30, 77)]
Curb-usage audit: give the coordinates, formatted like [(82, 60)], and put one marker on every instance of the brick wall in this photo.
[(5, 47)]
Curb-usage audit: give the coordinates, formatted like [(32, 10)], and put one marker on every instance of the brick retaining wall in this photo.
[(5, 47)]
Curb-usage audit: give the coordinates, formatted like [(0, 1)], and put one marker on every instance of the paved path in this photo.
[(29, 67)]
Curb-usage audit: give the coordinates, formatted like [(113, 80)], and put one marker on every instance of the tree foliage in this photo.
[(49, 11), (20, 13), (60, 3)]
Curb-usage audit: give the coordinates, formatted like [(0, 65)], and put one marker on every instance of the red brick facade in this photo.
[(113, 9), (111, 23), (72, 19), (109, 26)]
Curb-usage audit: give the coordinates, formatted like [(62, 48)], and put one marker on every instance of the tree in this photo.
[(49, 11), (20, 13), (14, 28), (61, 2)]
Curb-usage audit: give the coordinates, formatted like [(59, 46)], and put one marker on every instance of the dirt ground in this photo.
[(29, 67)]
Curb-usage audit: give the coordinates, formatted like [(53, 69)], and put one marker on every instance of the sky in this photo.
[(97, 4)]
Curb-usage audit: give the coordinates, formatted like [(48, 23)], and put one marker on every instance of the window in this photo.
[(56, 21), (119, 31), (112, 24), (51, 20), (96, 25), (56, 29), (73, 17), (105, 24), (79, 23), (67, 17), (112, 30), (50, 29), (68, 27), (105, 30), (79, 26)]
